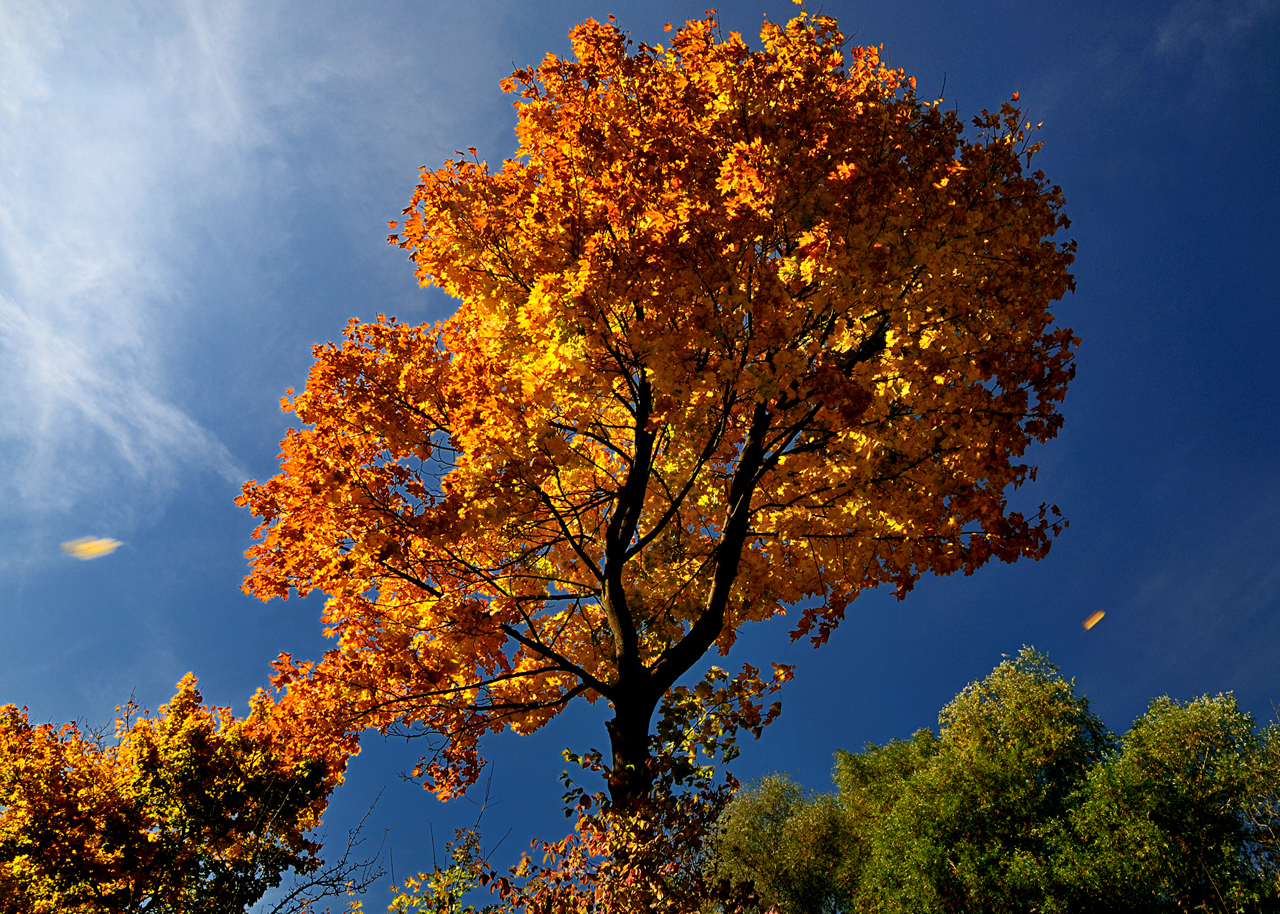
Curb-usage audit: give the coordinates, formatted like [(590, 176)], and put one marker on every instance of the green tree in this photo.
[(793, 848), (1025, 802), (1184, 818), (974, 829)]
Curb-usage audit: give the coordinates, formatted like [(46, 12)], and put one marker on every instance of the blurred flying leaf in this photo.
[(90, 547), (1093, 620)]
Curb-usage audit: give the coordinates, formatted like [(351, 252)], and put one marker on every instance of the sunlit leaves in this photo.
[(190, 809), (737, 332)]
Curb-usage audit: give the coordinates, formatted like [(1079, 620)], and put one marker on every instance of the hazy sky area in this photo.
[(194, 194)]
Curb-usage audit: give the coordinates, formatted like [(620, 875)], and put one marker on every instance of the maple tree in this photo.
[(190, 809), (738, 332)]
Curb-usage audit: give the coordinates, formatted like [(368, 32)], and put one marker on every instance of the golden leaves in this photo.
[(711, 280), (178, 796)]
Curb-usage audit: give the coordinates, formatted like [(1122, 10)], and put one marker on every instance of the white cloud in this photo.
[(77, 418), (110, 120), (168, 167)]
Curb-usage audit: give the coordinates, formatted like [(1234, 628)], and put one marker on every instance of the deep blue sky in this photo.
[(193, 194)]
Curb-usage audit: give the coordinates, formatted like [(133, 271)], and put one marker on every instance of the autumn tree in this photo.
[(192, 809), (739, 333)]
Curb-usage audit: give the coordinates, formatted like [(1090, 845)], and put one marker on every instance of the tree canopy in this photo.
[(192, 809), (1025, 802), (739, 332)]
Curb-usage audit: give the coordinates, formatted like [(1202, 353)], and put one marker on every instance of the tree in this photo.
[(792, 849), (1025, 802), (976, 828), (1186, 817), (964, 821), (190, 810), (737, 332)]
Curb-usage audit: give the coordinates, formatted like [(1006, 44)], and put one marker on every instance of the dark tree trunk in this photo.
[(637, 692), (631, 777)]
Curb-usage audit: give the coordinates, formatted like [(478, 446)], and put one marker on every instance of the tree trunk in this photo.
[(631, 777)]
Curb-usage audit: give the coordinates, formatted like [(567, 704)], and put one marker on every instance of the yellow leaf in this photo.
[(90, 547)]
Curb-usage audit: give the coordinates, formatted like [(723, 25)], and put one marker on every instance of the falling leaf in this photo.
[(1093, 620), (91, 547)]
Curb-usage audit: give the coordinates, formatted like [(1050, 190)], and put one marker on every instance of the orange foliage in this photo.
[(184, 809), (739, 332)]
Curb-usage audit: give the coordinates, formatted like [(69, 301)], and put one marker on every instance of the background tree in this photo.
[(976, 827), (738, 331), (791, 848), (1025, 802), (189, 810), (1186, 817)]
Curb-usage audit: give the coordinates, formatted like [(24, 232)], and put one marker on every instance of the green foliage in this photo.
[(791, 846), (870, 784), (1026, 803), (973, 828), (1185, 817)]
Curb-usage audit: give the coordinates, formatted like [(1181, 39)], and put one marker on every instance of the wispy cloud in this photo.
[(78, 418), (1210, 29), (156, 156), (102, 140)]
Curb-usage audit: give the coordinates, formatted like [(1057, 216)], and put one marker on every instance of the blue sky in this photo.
[(193, 194)]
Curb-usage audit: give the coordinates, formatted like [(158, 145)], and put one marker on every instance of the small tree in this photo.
[(738, 332), (190, 810), (791, 849)]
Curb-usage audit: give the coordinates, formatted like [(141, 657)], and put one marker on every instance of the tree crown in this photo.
[(737, 332)]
